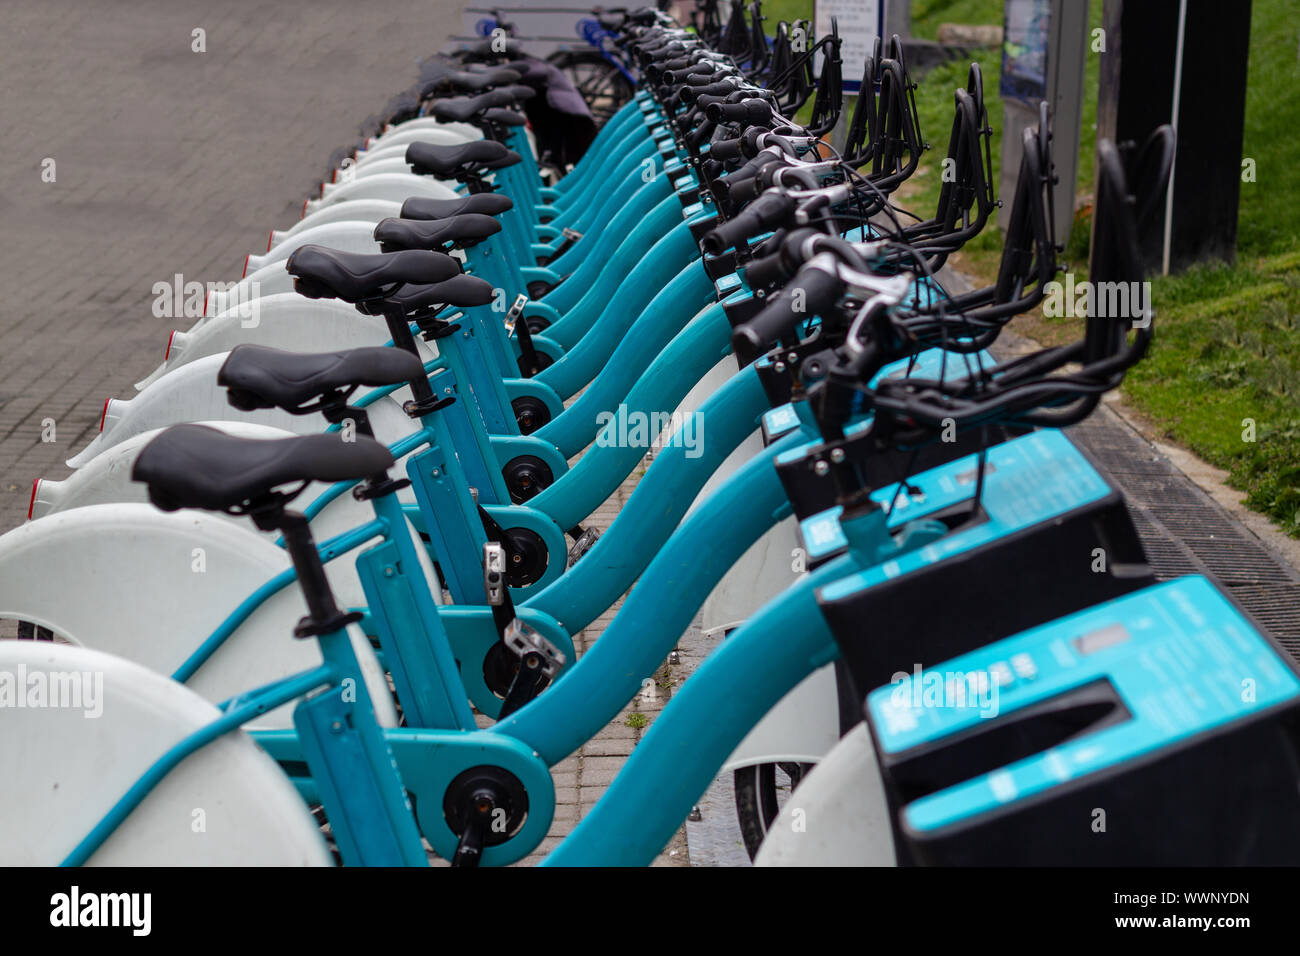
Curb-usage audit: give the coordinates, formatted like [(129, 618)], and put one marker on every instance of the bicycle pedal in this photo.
[(539, 660), (523, 640), (582, 545)]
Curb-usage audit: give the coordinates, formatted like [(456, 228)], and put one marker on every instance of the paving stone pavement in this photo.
[(584, 777), (165, 161)]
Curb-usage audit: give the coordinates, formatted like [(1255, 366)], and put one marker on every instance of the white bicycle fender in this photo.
[(346, 236), (395, 144), (285, 321), (227, 804), (700, 392), (394, 164), (420, 127), (190, 393), (763, 571), (356, 210), (838, 816), (106, 478), (79, 573), (802, 728), (380, 155), (244, 294), (804, 724), (395, 187)]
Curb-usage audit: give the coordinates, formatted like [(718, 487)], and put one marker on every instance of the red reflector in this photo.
[(245, 272), (31, 503), (168, 353), (270, 237)]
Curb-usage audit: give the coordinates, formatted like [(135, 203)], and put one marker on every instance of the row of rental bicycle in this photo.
[(310, 596)]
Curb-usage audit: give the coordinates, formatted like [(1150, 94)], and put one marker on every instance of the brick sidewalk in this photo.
[(584, 777), (166, 161)]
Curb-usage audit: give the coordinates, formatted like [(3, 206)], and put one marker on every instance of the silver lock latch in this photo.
[(494, 573), (516, 310)]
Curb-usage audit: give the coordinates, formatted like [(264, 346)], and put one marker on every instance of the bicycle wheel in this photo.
[(601, 84), (758, 798), (27, 631)]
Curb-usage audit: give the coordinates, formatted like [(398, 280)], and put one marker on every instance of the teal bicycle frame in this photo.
[(768, 656)]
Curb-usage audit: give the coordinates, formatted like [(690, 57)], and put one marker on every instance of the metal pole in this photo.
[(1173, 120)]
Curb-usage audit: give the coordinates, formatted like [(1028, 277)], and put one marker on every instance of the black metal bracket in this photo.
[(416, 409), (311, 627)]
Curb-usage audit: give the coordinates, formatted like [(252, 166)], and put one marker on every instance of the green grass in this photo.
[(927, 15), (1223, 377), (777, 10), (1266, 225), (1227, 346)]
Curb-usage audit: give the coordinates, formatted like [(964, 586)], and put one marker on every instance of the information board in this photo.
[(1024, 50), (860, 22)]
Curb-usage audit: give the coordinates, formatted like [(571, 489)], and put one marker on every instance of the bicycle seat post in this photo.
[(423, 400), (323, 614)]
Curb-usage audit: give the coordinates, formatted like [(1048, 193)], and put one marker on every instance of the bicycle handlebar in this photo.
[(764, 213), (811, 291), (755, 111)]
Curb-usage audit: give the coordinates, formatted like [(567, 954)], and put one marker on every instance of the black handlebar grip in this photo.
[(725, 150), (771, 210), (692, 73), (667, 66), (690, 94), (701, 134), (663, 51), (743, 191), (723, 237), (767, 271), (811, 291), (701, 75), (738, 188), (751, 141), (750, 112), (701, 103), (711, 169)]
